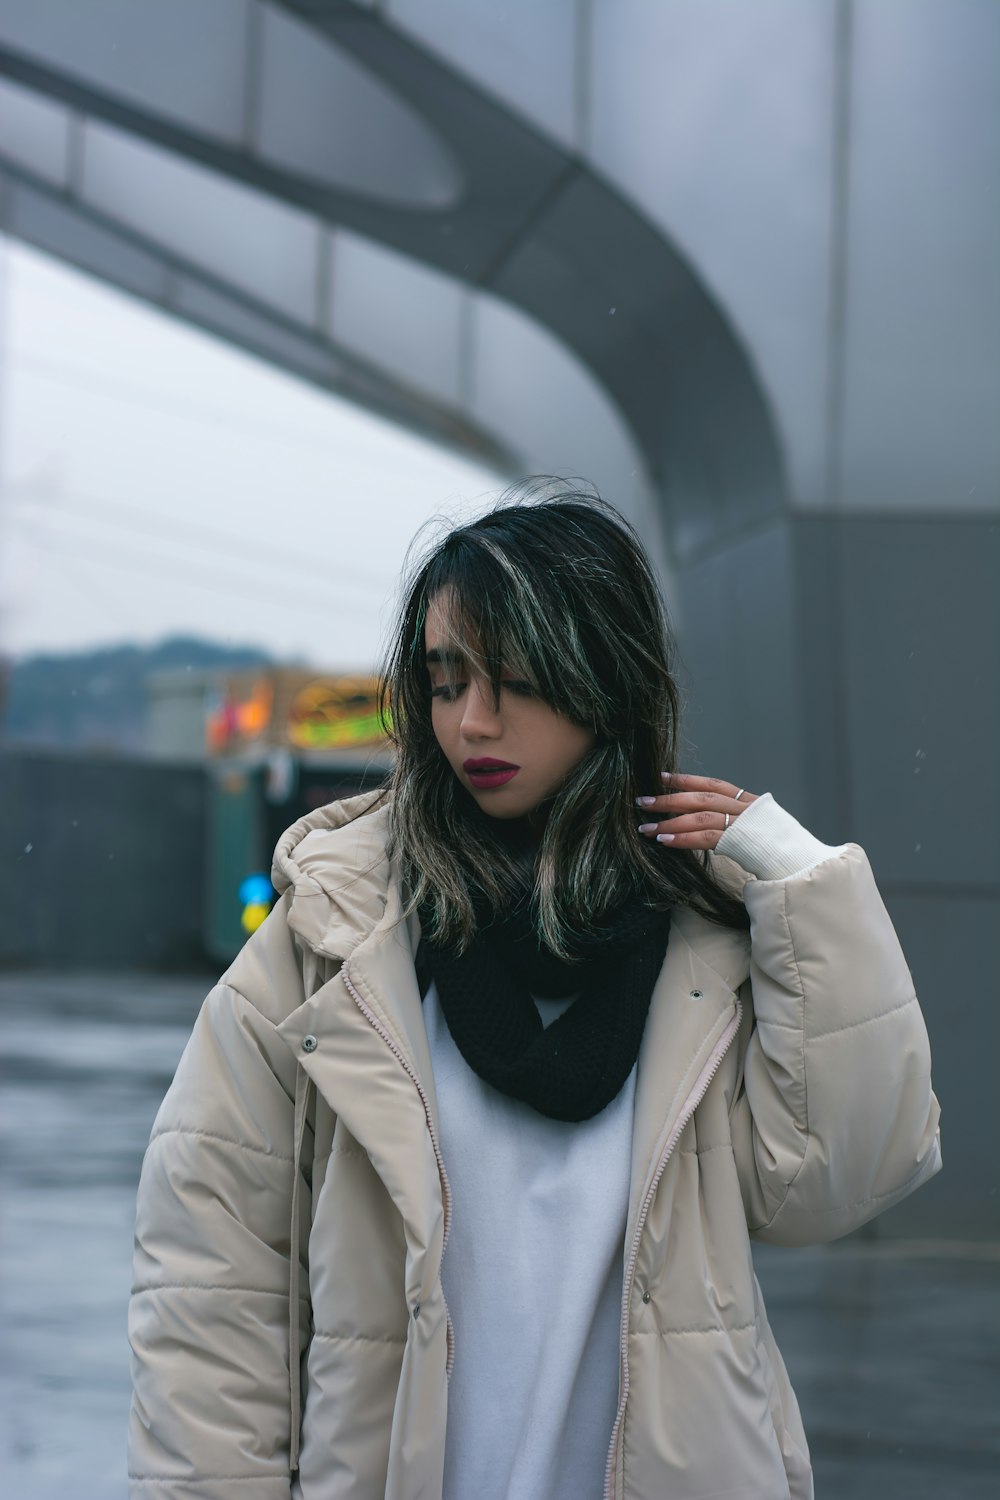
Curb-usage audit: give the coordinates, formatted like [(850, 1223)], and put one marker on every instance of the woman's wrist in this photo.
[(767, 841)]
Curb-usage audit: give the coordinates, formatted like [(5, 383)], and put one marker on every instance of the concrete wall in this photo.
[(101, 862), (851, 666)]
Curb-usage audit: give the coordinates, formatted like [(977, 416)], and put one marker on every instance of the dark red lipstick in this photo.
[(486, 772)]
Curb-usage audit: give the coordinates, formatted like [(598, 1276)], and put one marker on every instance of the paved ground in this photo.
[(893, 1348)]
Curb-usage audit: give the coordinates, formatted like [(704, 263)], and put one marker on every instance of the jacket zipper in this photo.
[(691, 1103), (373, 1021)]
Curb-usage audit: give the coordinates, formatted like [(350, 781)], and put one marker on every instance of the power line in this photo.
[(79, 376), (133, 562), (66, 566), (186, 534)]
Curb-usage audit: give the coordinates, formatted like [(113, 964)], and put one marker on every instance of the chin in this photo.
[(504, 814), (495, 805)]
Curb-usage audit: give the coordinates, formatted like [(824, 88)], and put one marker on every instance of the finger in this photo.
[(681, 782), (685, 783), (706, 838), (682, 802), (692, 822)]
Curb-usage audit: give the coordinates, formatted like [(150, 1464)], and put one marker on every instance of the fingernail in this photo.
[(664, 775), (645, 801), (664, 838), (648, 827)]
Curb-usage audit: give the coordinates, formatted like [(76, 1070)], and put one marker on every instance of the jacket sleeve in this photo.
[(208, 1316), (835, 1119)]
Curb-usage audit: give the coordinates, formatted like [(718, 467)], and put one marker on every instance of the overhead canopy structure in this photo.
[(310, 182)]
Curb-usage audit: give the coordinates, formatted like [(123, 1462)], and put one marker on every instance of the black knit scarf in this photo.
[(571, 1069)]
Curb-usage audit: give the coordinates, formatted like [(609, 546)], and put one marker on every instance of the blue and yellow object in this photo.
[(256, 895)]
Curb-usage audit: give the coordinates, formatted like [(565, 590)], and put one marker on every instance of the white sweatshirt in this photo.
[(533, 1270)]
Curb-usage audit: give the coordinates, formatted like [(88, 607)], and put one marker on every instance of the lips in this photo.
[(487, 774)]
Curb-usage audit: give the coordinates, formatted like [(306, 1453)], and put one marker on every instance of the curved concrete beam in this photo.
[(534, 225)]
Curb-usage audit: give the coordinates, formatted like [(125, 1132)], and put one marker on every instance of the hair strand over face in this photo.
[(554, 582)]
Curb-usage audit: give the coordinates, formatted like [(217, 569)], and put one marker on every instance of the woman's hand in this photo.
[(697, 807)]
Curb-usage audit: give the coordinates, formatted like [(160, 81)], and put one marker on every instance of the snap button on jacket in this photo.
[(287, 1324)]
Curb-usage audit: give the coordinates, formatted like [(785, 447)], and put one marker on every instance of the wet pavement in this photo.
[(893, 1347)]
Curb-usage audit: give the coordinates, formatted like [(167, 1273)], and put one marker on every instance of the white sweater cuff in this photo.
[(769, 843)]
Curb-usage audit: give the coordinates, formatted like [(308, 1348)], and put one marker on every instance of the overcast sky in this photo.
[(129, 441)]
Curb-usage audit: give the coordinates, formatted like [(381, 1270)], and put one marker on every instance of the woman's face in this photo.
[(523, 732)]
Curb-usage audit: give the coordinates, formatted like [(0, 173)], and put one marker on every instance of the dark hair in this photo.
[(555, 583)]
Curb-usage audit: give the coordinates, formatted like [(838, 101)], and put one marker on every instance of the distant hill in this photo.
[(97, 699)]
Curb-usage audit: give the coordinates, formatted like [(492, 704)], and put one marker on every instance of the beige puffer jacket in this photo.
[(293, 1199)]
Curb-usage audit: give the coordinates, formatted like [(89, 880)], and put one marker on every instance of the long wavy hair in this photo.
[(554, 583)]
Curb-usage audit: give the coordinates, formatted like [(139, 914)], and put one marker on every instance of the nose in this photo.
[(480, 719)]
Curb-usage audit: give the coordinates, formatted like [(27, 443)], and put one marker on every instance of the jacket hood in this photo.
[(334, 862)]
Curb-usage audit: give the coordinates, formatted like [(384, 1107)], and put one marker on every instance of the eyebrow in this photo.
[(439, 654)]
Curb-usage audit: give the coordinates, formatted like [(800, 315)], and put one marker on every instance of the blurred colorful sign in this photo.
[(293, 708), (335, 711), (237, 717)]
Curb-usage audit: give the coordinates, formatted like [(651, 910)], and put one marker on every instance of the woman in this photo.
[(454, 1190)]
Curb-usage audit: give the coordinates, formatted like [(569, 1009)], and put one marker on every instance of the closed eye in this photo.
[(450, 691)]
